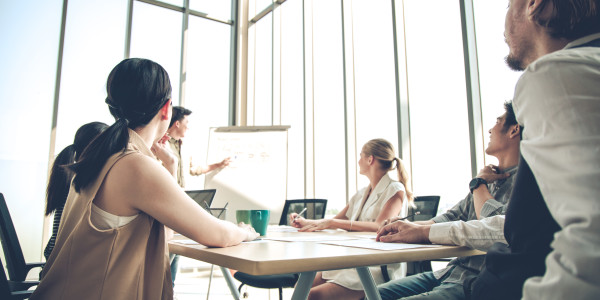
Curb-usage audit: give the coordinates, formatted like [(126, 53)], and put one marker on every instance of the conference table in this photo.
[(298, 252)]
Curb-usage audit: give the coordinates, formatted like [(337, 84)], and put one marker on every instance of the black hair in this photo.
[(510, 118), (136, 89), (179, 112), (60, 177), (570, 19)]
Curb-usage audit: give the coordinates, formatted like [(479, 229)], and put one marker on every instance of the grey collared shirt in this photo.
[(463, 268)]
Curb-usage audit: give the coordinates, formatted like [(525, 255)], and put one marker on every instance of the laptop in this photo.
[(203, 197)]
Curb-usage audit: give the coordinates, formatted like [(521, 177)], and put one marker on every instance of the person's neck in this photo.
[(148, 133), (374, 178), (547, 44), (508, 159)]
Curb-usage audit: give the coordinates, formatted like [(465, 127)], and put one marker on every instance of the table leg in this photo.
[(212, 267), (230, 283), (303, 285), (368, 283)]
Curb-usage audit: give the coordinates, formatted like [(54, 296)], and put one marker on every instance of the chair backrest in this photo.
[(427, 206), (315, 209), (15, 261)]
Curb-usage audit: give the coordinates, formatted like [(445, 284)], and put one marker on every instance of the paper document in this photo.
[(281, 228), (311, 238), (372, 244)]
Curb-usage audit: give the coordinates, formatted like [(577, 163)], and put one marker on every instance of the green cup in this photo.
[(243, 216), (259, 218)]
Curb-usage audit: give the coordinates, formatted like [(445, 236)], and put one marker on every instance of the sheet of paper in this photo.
[(372, 244), (310, 238), (281, 228)]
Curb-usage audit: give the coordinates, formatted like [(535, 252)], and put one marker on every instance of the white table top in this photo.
[(278, 257)]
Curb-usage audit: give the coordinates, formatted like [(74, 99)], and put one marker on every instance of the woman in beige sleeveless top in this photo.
[(111, 243)]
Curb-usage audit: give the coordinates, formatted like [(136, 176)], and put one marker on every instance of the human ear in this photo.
[(164, 111), (515, 131)]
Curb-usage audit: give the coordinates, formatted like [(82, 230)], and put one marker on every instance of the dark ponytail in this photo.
[(60, 175), (136, 91), (60, 180)]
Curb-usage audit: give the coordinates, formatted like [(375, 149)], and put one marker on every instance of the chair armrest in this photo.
[(21, 294), (30, 266), (21, 285)]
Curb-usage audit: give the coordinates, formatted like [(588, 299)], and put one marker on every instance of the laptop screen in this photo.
[(203, 197)]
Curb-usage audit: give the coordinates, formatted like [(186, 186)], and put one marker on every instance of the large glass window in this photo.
[(262, 111), (441, 162), (328, 84), (29, 35), (219, 9), (497, 81), (292, 93), (206, 88), (156, 35), (84, 73), (374, 75)]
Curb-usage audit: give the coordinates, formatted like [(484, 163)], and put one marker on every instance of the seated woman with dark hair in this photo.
[(112, 242), (60, 176)]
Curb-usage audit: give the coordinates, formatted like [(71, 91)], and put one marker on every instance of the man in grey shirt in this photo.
[(470, 222)]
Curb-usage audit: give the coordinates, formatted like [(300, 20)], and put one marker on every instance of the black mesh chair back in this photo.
[(15, 261), (315, 209), (12, 290), (427, 206)]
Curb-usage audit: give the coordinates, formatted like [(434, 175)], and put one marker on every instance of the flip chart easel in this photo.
[(256, 178)]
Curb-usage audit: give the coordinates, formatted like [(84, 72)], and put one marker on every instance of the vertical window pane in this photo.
[(29, 35), (206, 88), (329, 135), (497, 81), (263, 72), (219, 9), (438, 104), (94, 43), (156, 35), (374, 75), (292, 93)]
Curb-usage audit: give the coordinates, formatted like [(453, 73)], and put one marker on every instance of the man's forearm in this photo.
[(476, 234), (480, 195)]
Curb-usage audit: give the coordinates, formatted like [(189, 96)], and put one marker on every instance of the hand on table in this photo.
[(305, 225), (251, 234), (403, 232)]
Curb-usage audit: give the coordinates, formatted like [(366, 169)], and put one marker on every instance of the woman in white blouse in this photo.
[(368, 209)]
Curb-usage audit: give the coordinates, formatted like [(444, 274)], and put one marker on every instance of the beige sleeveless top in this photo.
[(129, 262)]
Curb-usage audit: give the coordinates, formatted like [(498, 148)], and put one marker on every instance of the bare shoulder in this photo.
[(135, 173)]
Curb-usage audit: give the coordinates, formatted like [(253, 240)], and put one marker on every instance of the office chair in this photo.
[(15, 261), (315, 209), (12, 289), (428, 207)]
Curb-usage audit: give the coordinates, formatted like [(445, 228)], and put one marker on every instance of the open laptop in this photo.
[(203, 197)]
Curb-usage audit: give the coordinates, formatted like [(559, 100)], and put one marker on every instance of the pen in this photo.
[(299, 214), (401, 219), (416, 213), (224, 207)]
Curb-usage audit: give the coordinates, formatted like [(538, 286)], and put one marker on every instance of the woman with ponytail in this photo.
[(60, 176), (112, 243), (366, 211)]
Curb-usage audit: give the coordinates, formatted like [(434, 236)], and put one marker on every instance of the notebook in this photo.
[(203, 197)]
